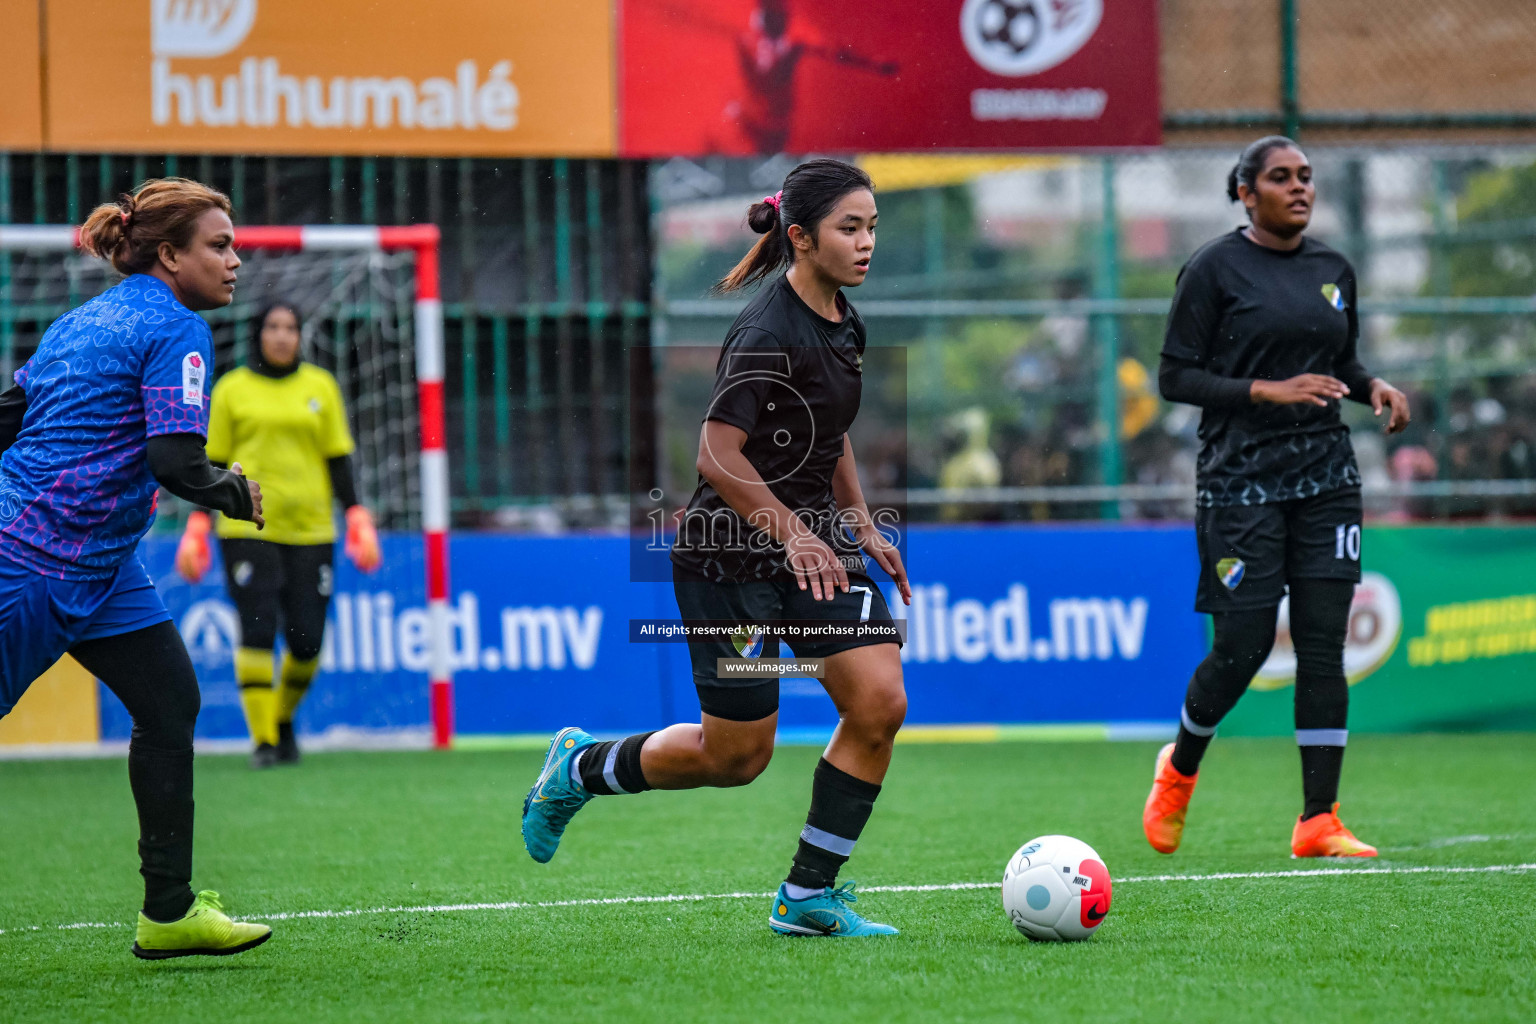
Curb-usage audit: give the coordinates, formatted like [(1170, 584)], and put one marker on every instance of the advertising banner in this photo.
[(1081, 625), (471, 78), (741, 77), (1016, 625), (539, 627), (1442, 637), (21, 82)]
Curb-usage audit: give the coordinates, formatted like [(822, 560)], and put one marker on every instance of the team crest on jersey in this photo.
[(1230, 572), (1335, 296), (314, 405), (748, 643), (194, 371)]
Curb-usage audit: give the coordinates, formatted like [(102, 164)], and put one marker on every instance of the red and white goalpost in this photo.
[(422, 241)]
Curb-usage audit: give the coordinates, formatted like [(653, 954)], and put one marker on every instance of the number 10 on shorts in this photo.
[(1346, 542)]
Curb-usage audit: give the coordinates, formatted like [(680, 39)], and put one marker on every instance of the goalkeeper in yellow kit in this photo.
[(283, 420)]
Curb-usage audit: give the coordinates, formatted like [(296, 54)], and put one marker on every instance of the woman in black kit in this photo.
[(1262, 335), (766, 538)]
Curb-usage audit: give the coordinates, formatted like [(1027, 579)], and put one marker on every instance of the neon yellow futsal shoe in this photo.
[(205, 930)]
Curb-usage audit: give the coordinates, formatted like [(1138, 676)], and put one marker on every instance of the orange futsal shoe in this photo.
[(1325, 836), (1163, 818)]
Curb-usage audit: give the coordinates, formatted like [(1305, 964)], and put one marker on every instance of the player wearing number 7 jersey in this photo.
[(1262, 335), (763, 540)]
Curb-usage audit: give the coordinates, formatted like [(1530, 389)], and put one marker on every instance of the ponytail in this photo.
[(769, 253), (810, 192), (129, 232), (106, 229)]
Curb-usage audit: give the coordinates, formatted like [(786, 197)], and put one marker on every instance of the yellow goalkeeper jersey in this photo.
[(282, 431)]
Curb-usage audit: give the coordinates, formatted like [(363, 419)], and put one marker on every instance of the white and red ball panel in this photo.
[(1056, 888)]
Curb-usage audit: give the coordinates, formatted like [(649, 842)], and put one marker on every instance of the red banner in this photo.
[(764, 76)]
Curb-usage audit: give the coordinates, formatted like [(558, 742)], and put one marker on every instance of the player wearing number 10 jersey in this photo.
[(1262, 335)]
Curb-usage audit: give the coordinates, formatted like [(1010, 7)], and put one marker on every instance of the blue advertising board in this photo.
[(1008, 624)]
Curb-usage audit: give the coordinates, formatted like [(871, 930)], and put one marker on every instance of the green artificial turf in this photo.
[(364, 831)]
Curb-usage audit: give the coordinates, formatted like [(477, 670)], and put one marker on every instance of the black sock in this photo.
[(1320, 771), (1319, 627), (840, 807), (613, 767), (162, 789), (1189, 748), (1242, 641)]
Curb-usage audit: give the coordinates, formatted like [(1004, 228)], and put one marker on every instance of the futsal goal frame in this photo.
[(423, 241)]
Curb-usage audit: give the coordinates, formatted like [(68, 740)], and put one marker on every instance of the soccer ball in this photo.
[(1056, 889), (1012, 24)]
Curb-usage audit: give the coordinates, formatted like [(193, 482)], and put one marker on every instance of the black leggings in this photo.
[(150, 673), (268, 580), (1319, 626)]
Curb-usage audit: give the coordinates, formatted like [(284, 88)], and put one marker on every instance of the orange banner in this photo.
[(21, 83), (420, 77)]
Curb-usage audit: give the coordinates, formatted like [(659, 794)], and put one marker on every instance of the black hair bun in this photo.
[(763, 217)]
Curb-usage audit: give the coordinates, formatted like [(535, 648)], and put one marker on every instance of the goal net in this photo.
[(357, 311)]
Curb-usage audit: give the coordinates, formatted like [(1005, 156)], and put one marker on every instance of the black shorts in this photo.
[(1248, 553), (270, 582), (776, 600)]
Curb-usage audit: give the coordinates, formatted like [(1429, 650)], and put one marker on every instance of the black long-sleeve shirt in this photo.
[(180, 464), (1243, 312), (343, 481), (13, 409)]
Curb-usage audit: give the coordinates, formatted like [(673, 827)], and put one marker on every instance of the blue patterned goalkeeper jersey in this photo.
[(76, 493)]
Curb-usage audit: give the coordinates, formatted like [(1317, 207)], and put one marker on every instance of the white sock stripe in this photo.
[(1194, 728), (576, 768), (608, 775), (1322, 737), (827, 841)]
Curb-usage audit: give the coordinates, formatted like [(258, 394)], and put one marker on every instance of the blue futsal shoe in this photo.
[(555, 797), (829, 912)]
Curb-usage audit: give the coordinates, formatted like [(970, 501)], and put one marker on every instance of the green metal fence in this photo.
[(546, 282), (549, 289), (983, 305)]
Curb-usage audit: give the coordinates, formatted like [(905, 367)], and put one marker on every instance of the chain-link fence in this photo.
[(1348, 71), (356, 311)]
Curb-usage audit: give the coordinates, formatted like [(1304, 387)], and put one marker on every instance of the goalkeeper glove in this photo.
[(362, 539), (192, 554)]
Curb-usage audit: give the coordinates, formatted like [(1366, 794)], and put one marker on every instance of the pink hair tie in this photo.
[(775, 199), (125, 219)]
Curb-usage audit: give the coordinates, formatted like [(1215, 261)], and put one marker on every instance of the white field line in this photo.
[(612, 901), (1437, 844)]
